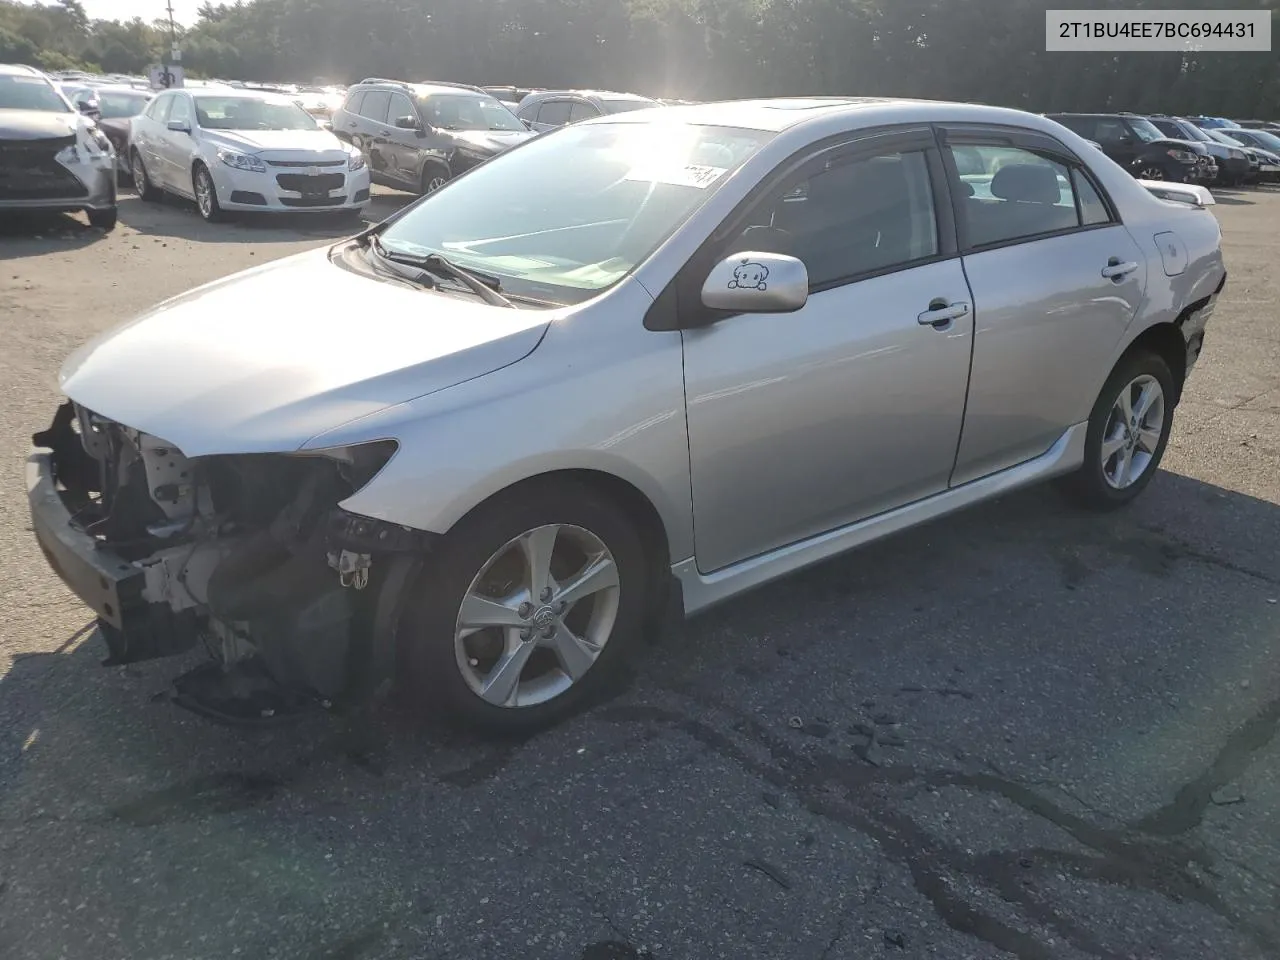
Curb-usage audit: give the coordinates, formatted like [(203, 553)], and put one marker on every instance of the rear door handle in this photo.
[(1114, 269), (941, 313)]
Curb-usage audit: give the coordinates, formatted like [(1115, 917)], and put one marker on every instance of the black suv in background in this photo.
[(418, 136), (1139, 146)]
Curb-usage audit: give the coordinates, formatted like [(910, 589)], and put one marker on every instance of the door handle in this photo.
[(941, 313), (1115, 270)]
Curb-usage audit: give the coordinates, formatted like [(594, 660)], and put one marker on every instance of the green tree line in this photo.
[(990, 51)]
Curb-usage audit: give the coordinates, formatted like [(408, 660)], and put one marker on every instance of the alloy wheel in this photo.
[(537, 615), (204, 194), (1152, 173), (434, 183), (1132, 435), (139, 172)]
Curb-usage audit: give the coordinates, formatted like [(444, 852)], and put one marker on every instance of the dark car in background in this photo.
[(1140, 146), (52, 157), (550, 109), (1233, 163), (510, 97), (116, 108), (1226, 135), (1267, 147), (418, 136)]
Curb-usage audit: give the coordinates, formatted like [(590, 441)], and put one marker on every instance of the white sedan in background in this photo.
[(244, 150)]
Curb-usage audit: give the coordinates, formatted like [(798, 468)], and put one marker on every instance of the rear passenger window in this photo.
[(1016, 195), (582, 111), (159, 109), (554, 112)]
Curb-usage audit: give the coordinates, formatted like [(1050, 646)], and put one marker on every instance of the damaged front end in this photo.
[(250, 555)]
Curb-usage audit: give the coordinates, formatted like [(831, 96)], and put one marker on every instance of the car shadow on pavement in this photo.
[(37, 233), (1022, 724)]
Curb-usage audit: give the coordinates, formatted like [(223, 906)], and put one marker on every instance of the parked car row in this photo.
[(1205, 150)]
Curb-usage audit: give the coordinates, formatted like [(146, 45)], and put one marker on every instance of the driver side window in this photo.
[(159, 109), (850, 218)]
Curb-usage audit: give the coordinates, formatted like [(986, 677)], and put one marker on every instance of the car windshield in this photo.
[(30, 93), (623, 106), (1268, 141), (475, 111), (572, 212), (251, 113), (1189, 131), (1223, 138), (1146, 130), (115, 106)]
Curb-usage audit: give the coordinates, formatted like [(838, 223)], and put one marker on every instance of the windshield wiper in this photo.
[(482, 285)]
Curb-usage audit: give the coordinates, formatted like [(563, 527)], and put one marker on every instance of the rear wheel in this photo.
[(530, 603), (141, 182), (1127, 434)]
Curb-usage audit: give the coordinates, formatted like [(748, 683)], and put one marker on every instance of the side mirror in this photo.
[(754, 282), (179, 126), (408, 123), (89, 107)]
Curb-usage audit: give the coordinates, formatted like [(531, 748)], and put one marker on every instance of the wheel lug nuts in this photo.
[(546, 594), (526, 634), (525, 610), (549, 632)]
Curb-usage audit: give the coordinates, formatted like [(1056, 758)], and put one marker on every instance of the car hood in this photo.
[(285, 141), (36, 124), (490, 141), (265, 360)]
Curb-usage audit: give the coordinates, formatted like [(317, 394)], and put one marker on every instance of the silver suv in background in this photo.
[(51, 156), (549, 109)]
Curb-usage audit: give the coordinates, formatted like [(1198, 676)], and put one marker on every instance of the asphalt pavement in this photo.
[(1022, 731)]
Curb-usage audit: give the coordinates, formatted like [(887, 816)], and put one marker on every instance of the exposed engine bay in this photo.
[(248, 555)]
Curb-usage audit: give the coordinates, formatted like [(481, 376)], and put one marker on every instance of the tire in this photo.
[(206, 194), (433, 178), (1098, 484), (483, 554), (141, 180), (1151, 172), (103, 219)]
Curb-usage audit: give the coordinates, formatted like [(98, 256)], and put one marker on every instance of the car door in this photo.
[(347, 125), (375, 132), (402, 146), (145, 135), (1056, 280), (800, 423), (177, 146)]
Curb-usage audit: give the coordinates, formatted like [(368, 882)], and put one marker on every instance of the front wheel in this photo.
[(206, 194), (433, 178), (103, 219), (527, 607), (1127, 433), (1151, 173)]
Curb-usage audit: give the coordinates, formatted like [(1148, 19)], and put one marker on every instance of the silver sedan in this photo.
[(631, 368)]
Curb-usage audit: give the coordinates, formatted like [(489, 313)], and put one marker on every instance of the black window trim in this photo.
[(1041, 144), (679, 305)]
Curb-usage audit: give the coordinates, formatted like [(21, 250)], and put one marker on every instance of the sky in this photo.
[(184, 11)]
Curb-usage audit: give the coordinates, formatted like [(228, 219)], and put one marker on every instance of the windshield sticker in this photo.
[(690, 175)]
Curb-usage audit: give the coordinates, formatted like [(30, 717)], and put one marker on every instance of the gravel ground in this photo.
[(1074, 719)]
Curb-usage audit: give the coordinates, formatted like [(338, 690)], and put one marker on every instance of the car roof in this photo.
[(210, 93), (777, 115), (588, 94)]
